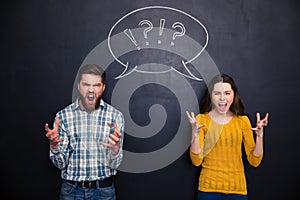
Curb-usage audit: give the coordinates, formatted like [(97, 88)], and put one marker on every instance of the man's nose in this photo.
[(91, 89)]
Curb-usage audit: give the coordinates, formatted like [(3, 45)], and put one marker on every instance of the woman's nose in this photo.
[(222, 97)]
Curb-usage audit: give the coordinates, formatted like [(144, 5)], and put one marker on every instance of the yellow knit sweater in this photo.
[(221, 154)]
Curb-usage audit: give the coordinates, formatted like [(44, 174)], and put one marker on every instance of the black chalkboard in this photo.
[(45, 42)]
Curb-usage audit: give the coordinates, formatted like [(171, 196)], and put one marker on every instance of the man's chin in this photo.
[(89, 105)]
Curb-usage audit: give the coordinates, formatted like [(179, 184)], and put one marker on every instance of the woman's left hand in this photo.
[(260, 123)]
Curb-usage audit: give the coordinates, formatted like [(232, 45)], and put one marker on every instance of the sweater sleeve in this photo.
[(196, 158), (249, 143)]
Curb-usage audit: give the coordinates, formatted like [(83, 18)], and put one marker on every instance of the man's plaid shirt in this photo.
[(80, 156)]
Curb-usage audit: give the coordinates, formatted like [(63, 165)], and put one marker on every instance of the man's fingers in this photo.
[(60, 140), (55, 139), (115, 125), (116, 130), (118, 133), (114, 137), (51, 136), (105, 144), (110, 143), (57, 120), (48, 134), (47, 127)]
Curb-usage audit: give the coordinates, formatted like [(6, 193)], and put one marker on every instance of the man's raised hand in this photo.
[(52, 134)]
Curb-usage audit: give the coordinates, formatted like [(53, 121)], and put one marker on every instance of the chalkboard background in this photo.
[(43, 43)]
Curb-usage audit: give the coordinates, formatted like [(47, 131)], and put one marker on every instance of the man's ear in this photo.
[(103, 87)]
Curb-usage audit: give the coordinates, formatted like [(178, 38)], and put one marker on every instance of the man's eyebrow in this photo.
[(222, 91), (86, 83)]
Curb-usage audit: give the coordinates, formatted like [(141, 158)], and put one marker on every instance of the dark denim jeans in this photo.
[(74, 192), (220, 196)]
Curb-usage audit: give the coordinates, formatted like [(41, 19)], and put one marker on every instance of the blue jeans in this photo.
[(74, 192), (220, 196)]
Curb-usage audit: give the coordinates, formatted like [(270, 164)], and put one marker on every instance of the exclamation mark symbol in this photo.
[(161, 29), (131, 37)]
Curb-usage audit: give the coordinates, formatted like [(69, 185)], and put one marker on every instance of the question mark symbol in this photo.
[(149, 28), (177, 34)]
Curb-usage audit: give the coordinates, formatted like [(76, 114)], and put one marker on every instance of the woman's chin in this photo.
[(223, 111)]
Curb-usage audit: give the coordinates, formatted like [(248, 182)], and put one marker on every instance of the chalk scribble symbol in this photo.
[(131, 37), (161, 28), (149, 28), (177, 34)]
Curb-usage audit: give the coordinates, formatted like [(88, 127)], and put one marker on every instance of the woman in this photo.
[(218, 133)]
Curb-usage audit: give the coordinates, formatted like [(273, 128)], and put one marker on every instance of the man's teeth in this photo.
[(90, 97)]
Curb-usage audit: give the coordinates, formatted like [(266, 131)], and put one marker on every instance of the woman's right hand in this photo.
[(195, 126)]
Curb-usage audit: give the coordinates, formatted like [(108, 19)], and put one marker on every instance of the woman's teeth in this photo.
[(222, 104)]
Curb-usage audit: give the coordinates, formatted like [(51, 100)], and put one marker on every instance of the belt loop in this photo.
[(82, 184), (98, 184), (90, 184)]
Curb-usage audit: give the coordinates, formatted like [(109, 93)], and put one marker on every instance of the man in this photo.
[(86, 140)]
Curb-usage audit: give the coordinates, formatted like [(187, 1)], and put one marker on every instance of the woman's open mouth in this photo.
[(222, 106)]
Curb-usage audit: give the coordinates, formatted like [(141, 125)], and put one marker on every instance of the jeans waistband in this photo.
[(93, 184)]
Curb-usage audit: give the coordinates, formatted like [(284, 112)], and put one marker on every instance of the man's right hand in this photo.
[(52, 134)]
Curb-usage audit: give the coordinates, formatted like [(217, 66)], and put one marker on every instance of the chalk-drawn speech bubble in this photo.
[(154, 27)]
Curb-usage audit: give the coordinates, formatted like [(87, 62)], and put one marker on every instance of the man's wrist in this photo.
[(114, 151), (54, 146)]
